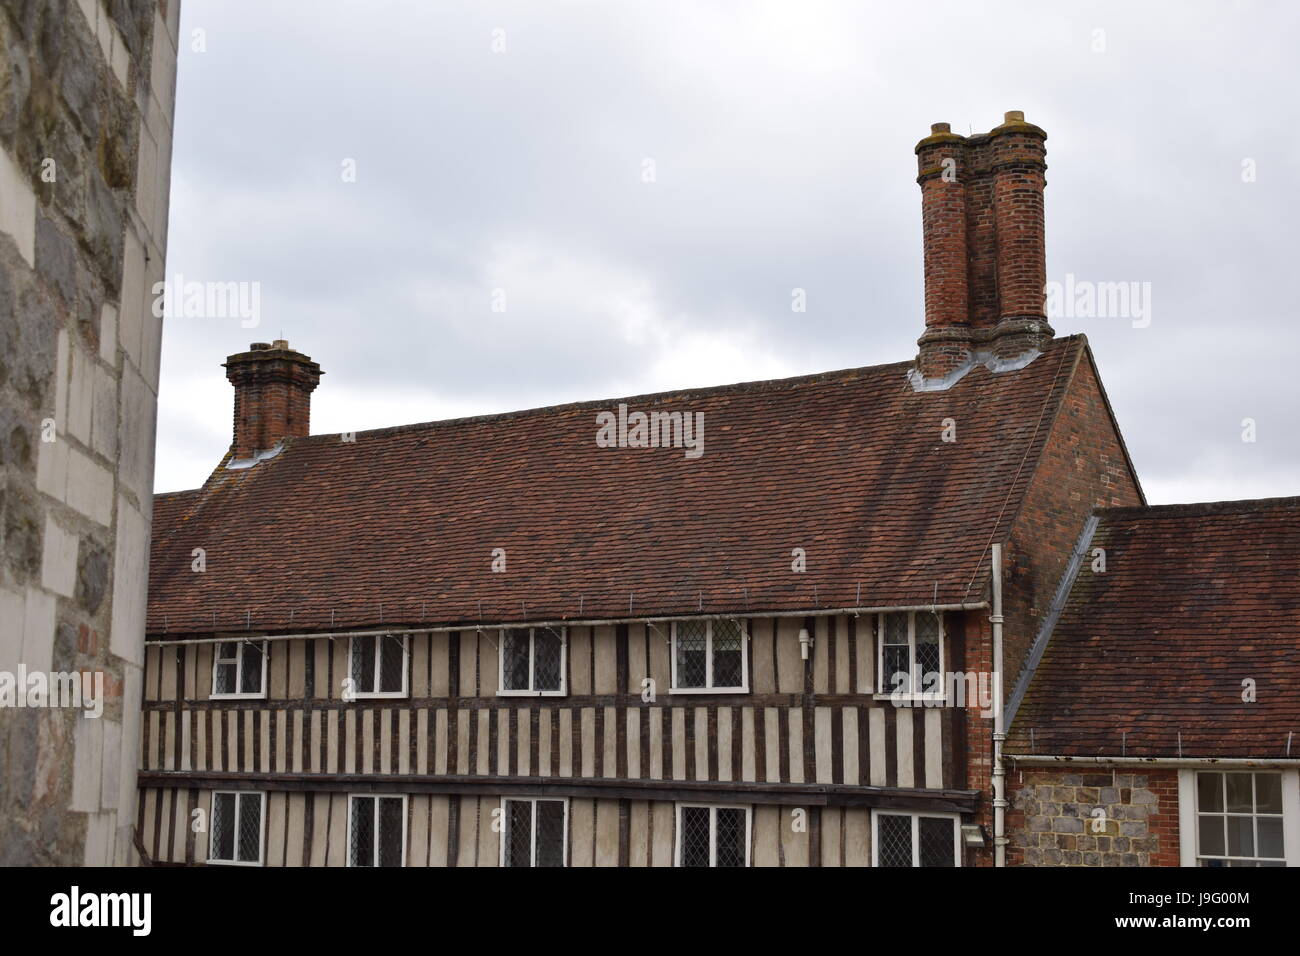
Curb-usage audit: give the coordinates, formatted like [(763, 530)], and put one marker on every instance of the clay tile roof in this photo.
[(399, 526), (1194, 600)]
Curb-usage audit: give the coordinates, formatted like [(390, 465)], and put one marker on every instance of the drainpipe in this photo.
[(999, 732)]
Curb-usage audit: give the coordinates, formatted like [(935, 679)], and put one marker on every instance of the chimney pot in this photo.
[(940, 128), (273, 386), (982, 222)]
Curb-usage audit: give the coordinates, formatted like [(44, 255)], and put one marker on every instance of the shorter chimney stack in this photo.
[(273, 386), (982, 222)]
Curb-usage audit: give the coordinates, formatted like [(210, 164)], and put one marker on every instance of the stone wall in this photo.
[(1065, 817), (86, 101)]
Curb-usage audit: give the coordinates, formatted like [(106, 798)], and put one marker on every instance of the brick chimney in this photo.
[(982, 221), (273, 386)]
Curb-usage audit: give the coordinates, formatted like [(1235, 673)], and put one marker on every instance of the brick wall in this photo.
[(86, 99), (1082, 466), (1066, 817)]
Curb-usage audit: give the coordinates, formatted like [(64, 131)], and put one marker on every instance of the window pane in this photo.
[(363, 665), (391, 820), (728, 645), (546, 659), (392, 663), (731, 837), (1270, 837), (519, 833), (927, 649), (1209, 792), (895, 629), (228, 651), (895, 836), (363, 831), (514, 660), (691, 648), (896, 672), (250, 677), (550, 833), (937, 836), (694, 837), (1241, 836), (223, 826), (1240, 792), (225, 682), (1212, 843), (250, 827), (1268, 792)]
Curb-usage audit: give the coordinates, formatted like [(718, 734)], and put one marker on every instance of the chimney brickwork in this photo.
[(982, 222), (273, 386)]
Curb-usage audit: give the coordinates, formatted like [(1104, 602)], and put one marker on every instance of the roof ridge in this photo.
[(1186, 509), (790, 382)]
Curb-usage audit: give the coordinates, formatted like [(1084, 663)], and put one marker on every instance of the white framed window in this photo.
[(1239, 818), (534, 832), (904, 838), (235, 827), (909, 654), (376, 829), (239, 668), (713, 834), (709, 657), (532, 662), (378, 666)]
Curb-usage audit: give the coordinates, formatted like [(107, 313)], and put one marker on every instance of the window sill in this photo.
[(532, 693), (930, 699), (709, 690), (258, 696)]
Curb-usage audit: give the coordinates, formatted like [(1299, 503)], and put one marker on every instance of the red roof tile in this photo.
[(399, 526), (1195, 599)]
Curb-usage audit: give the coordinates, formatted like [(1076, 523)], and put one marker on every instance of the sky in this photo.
[(460, 208)]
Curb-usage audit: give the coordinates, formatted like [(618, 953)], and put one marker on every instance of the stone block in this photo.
[(52, 468), (18, 211), (90, 487), (11, 629), (81, 396), (87, 763), (38, 629), (130, 568), (58, 559), (108, 334)]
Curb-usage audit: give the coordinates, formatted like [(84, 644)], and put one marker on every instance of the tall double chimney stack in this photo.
[(273, 386), (985, 268)]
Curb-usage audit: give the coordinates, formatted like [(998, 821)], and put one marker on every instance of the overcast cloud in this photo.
[(781, 136)]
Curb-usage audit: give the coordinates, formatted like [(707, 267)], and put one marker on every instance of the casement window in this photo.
[(378, 665), (909, 658), (532, 662), (376, 830), (534, 832), (915, 839), (710, 835), (709, 656), (235, 827), (239, 668), (1239, 819)]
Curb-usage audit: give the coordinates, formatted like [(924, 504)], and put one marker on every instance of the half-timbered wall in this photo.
[(817, 724), (310, 829)]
